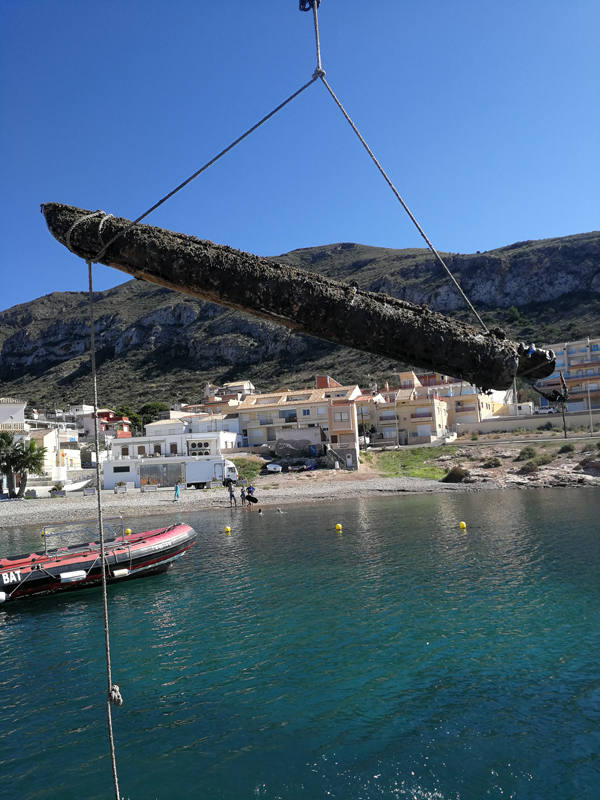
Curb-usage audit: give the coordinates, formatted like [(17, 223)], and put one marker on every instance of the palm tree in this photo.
[(7, 443), (30, 458), (19, 458), (7, 455)]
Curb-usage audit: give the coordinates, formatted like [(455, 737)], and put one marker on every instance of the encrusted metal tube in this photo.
[(300, 300)]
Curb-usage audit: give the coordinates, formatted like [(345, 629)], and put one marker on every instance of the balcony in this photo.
[(421, 415), (569, 375)]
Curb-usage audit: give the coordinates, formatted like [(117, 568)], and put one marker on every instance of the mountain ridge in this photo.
[(155, 343)]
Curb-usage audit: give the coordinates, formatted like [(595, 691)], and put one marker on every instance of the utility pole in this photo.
[(562, 405), (590, 410)]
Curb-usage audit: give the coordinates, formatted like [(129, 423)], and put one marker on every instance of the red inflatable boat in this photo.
[(64, 567)]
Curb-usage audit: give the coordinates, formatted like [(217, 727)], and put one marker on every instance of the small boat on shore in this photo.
[(65, 567)]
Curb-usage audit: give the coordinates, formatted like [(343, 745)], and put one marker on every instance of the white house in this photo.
[(167, 445), (12, 415)]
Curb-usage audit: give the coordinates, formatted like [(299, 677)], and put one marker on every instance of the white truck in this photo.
[(203, 471), (165, 472)]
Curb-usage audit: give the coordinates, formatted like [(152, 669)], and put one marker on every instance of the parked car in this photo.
[(272, 467), (546, 410)]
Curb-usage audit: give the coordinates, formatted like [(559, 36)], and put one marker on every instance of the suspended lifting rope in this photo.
[(113, 693)]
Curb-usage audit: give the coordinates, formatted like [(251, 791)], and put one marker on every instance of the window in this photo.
[(121, 469), (124, 452), (321, 411), (141, 450), (334, 439), (288, 415), (340, 416), (173, 448), (157, 450), (306, 412)]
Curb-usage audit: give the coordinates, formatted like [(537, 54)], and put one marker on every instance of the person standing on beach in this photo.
[(243, 496), (232, 500), (250, 494), (176, 494)]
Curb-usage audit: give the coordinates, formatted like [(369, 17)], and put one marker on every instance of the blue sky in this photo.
[(486, 116)]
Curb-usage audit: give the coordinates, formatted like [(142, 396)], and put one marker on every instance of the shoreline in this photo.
[(271, 492), (76, 507)]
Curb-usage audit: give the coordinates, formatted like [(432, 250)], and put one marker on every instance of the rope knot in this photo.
[(115, 695), (319, 73)]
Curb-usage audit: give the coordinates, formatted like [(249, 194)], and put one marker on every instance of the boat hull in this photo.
[(80, 566)]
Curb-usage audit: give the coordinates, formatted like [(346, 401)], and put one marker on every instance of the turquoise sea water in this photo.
[(401, 658)]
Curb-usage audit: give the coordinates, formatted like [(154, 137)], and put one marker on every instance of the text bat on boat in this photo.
[(300, 300)]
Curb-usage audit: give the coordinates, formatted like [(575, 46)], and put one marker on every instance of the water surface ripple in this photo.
[(399, 658)]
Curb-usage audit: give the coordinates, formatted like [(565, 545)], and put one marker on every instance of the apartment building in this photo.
[(324, 414), (579, 362), (466, 403), (404, 418)]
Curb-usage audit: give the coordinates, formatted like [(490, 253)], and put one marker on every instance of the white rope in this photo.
[(77, 222), (319, 72), (113, 694), (401, 201)]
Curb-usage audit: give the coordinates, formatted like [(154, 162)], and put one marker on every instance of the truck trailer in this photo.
[(203, 471), (193, 471)]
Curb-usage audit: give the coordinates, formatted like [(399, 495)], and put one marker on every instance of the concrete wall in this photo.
[(508, 424)]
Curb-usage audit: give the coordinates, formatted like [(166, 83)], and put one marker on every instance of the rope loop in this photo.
[(105, 216), (306, 5)]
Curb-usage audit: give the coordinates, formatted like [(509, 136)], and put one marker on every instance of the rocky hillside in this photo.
[(157, 344)]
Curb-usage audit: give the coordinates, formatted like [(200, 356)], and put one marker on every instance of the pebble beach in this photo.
[(271, 493)]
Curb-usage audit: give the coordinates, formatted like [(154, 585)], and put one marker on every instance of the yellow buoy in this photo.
[(338, 527), (462, 526), (227, 530), (127, 531)]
